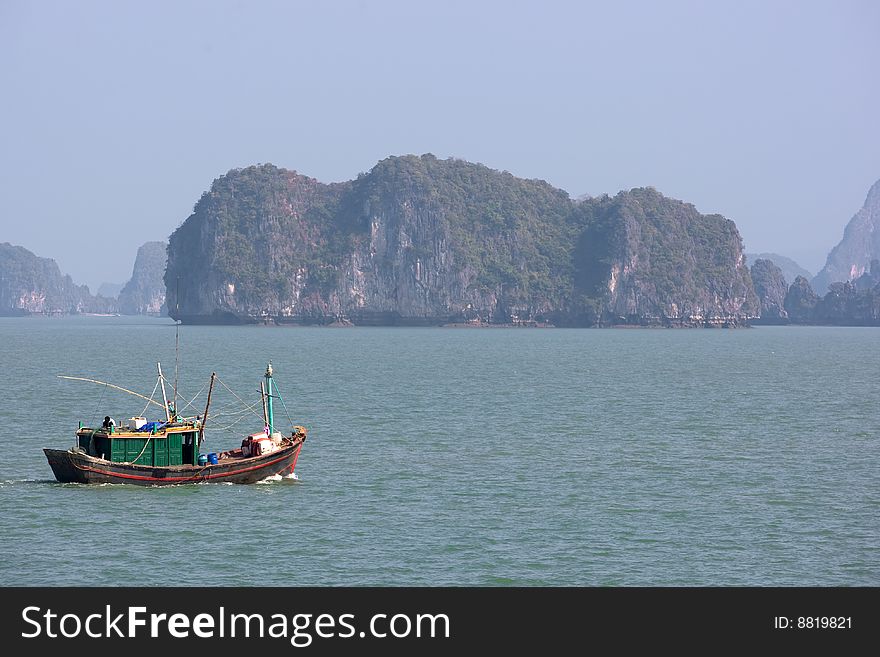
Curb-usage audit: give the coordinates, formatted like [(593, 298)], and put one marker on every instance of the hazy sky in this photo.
[(116, 116)]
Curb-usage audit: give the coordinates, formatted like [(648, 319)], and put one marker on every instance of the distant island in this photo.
[(860, 245), (790, 269), (846, 292), (110, 290), (144, 293), (424, 241), (420, 241), (31, 285)]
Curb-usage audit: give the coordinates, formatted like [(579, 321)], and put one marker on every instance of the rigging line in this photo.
[(232, 392), (286, 412), (147, 442), (223, 412), (144, 412), (229, 409), (109, 385), (100, 401), (198, 394), (244, 413), (184, 396), (229, 426), (232, 409), (227, 404)]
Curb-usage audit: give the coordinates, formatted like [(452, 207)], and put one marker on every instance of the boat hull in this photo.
[(72, 466)]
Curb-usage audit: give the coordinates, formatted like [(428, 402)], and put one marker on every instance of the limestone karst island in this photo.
[(424, 241)]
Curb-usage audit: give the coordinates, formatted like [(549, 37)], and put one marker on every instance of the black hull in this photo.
[(72, 466)]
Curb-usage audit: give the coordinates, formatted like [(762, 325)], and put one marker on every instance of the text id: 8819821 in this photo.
[(813, 623)]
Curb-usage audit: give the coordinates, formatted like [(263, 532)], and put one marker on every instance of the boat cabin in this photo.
[(148, 443)]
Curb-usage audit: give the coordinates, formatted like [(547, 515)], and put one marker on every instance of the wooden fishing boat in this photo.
[(167, 452)]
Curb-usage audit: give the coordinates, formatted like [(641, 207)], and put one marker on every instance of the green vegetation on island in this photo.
[(419, 240), (422, 241)]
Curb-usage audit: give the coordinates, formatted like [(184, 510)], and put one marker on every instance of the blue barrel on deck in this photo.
[(203, 459), (212, 458)]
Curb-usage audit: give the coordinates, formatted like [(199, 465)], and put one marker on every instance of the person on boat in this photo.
[(108, 422)]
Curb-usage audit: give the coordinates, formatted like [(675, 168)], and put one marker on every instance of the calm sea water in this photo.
[(462, 457)]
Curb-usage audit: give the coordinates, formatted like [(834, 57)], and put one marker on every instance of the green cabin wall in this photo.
[(162, 450)]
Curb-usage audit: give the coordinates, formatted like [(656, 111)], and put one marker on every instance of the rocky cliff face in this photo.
[(845, 305), (263, 242), (860, 245), (650, 260), (771, 289), (419, 240), (800, 301), (870, 278), (851, 303), (790, 269), (144, 293), (448, 241), (34, 285)]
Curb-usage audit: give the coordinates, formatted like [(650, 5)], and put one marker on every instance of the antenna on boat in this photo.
[(164, 396), (176, 340)]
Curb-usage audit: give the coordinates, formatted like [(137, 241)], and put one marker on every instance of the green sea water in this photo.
[(461, 457)]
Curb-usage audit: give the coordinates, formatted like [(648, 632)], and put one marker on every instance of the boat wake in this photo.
[(277, 477), (27, 482)]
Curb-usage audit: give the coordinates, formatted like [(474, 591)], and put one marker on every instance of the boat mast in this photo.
[(207, 406), (263, 399), (176, 341), (164, 396), (270, 420)]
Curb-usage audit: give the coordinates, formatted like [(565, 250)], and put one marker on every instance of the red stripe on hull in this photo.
[(198, 476), (295, 457), (75, 468)]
